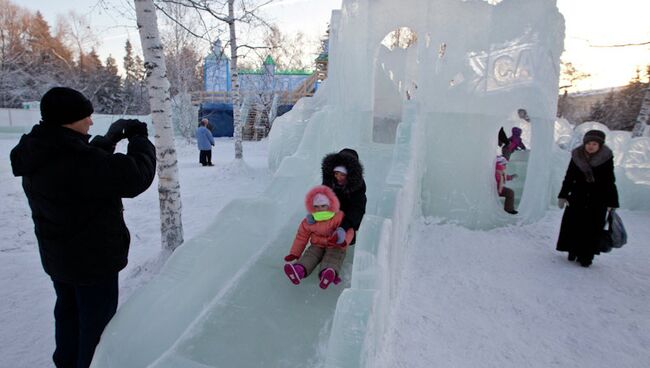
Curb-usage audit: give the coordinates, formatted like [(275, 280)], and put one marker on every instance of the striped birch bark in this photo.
[(236, 97), (169, 190), (644, 114)]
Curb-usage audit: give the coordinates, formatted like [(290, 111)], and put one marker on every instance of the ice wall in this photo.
[(222, 300)]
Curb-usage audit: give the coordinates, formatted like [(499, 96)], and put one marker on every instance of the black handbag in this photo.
[(614, 234)]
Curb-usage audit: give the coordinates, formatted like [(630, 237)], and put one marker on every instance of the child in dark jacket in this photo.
[(327, 238), (514, 143), (343, 173)]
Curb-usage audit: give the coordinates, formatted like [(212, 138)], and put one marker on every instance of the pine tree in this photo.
[(111, 95)]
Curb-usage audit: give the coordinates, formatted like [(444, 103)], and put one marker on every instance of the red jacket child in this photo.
[(327, 249)]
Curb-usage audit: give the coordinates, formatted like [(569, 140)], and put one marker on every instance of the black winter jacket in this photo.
[(353, 195), (74, 190), (584, 218)]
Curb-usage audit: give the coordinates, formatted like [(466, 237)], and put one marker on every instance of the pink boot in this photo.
[(295, 272), (327, 277)]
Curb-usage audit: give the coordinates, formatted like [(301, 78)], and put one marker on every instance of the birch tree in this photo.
[(644, 113), (169, 192), (234, 75)]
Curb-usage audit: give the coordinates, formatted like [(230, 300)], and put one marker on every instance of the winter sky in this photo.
[(589, 23)]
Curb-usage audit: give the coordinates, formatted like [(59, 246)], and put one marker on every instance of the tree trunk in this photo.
[(236, 114), (169, 189), (644, 114)]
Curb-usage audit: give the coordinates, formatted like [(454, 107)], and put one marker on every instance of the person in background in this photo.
[(324, 208), (75, 190), (501, 178), (523, 114), (588, 193), (514, 143), (205, 142), (502, 138), (343, 173)]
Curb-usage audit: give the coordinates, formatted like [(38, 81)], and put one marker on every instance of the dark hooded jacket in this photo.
[(353, 195), (590, 187), (74, 189)]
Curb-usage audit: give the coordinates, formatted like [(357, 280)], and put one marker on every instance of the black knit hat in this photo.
[(62, 105), (594, 136)]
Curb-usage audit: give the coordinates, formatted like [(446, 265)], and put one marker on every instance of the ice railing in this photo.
[(361, 313)]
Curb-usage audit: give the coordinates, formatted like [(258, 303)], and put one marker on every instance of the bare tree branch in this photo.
[(622, 45)]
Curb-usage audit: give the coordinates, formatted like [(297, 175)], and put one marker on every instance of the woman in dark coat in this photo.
[(343, 173), (588, 192)]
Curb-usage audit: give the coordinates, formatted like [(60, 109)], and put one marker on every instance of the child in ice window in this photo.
[(328, 241), (514, 143), (501, 178)]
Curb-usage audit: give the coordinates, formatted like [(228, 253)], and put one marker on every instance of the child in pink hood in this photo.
[(501, 178), (328, 241)]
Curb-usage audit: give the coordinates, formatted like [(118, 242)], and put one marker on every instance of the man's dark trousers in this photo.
[(205, 157), (81, 313)]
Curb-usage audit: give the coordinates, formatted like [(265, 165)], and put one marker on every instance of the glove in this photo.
[(134, 128), (290, 258), (115, 132), (310, 219), (561, 202), (336, 239), (340, 235)]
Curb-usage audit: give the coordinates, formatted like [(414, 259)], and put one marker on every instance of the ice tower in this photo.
[(424, 120)]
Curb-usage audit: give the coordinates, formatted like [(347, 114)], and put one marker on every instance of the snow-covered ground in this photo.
[(506, 298), (498, 298), (26, 294)]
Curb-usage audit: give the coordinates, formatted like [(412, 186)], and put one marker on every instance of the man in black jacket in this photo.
[(75, 190), (343, 173)]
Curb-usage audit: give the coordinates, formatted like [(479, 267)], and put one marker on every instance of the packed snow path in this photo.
[(506, 298)]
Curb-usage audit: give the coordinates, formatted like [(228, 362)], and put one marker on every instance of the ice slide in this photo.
[(222, 300)]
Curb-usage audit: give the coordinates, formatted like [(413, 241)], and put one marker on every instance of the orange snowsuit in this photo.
[(319, 232)]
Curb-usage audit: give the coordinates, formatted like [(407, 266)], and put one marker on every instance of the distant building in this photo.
[(262, 81), (265, 93)]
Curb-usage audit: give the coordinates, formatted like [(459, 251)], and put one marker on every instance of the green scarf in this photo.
[(323, 215)]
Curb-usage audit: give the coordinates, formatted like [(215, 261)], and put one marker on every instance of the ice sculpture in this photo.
[(424, 121)]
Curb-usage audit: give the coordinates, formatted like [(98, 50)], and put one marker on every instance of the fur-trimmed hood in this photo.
[(335, 205), (348, 158)]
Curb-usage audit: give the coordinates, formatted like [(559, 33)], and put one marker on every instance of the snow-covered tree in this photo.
[(229, 13), (183, 64), (295, 52), (156, 76)]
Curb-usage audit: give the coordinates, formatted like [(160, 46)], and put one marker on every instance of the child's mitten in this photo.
[(310, 219), (290, 258), (340, 235)]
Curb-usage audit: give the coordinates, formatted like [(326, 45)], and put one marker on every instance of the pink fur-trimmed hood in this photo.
[(335, 205)]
